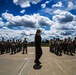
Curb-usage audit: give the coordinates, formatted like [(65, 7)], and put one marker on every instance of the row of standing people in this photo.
[(67, 46), (12, 46)]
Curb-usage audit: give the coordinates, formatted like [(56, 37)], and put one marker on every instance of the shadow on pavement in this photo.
[(37, 66)]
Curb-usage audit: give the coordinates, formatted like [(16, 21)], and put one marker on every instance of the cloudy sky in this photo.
[(21, 18)]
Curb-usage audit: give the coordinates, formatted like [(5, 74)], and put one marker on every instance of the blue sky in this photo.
[(21, 18)]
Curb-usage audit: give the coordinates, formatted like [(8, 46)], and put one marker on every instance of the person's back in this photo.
[(74, 45), (38, 49), (2, 46), (13, 47), (37, 40), (24, 45)]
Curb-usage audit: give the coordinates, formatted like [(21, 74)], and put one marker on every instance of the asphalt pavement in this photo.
[(23, 64)]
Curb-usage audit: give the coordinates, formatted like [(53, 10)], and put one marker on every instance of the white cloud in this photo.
[(1, 22), (29, 33), (58, 11), (0, 19), (7, 10), (28, 23), (17, 34), (47, 11), (71, 5), (66, 6), (64, 1), (59, 4), (44, 5), (22, 11), (35, 20), (63, 17), (64, 25), (25, 3)]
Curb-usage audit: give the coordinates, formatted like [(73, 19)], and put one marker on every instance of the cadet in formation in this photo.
[(24, 46), (58, 46), (11, 46)]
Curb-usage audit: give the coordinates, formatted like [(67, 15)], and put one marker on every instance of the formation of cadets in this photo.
[(13, 46), (66, 46), (57, 46)]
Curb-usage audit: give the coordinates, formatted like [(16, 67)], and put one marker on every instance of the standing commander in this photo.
[(38, 49)]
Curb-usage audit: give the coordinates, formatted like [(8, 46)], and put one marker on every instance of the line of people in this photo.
[(13, 46), (58, 46)]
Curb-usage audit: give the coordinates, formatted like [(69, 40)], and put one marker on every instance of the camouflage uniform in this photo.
[(69, 47), (24, 46), (2, 46), (74, 45), (13, 48)]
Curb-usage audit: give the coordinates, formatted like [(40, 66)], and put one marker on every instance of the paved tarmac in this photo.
[(23, 64)]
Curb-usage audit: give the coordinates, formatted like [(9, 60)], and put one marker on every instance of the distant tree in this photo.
[(43, 41), (46, 41)]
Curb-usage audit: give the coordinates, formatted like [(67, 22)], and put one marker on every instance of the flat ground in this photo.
[(23, 64)]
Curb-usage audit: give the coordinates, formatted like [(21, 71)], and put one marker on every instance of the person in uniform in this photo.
[(13, 47), (69, 47), (20, 46), (54, 45), (2, 46), (7, 46), (65, 43), (16, 45), (10, 45), (74, 45), (38, 49), (51, 45), (58, 50), (24, 45)]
